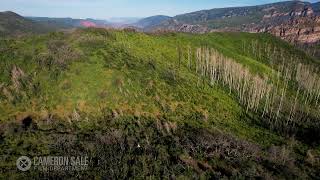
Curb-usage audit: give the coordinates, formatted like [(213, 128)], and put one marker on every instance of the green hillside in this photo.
[(14, 24), (219, 105)]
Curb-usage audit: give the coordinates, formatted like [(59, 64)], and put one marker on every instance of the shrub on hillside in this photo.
[(59, 55)]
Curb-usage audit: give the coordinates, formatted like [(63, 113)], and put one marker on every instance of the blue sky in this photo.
[(103, 9)]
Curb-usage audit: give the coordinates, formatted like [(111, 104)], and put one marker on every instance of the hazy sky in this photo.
[(117, 8)]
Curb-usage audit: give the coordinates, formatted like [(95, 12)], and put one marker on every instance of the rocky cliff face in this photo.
[(300, 25), (294, 21), (301, 30)]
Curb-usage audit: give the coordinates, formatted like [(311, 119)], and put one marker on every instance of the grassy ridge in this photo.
[(96, 81)]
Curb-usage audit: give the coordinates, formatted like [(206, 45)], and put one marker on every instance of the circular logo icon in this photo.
[(24, 163)]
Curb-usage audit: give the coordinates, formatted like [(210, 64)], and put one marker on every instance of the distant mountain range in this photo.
[(66, 23), (294, 21), (14, 24), (124, 20), (70, 23), (151, 22)]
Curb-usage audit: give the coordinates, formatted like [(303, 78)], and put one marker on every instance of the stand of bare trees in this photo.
[(305, 76), (270, 97), (308, 80)]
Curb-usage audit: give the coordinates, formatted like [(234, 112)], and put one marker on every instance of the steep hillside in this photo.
[(166, 105), (150, 22), (294, 21), (14, 24), (238, 16)]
